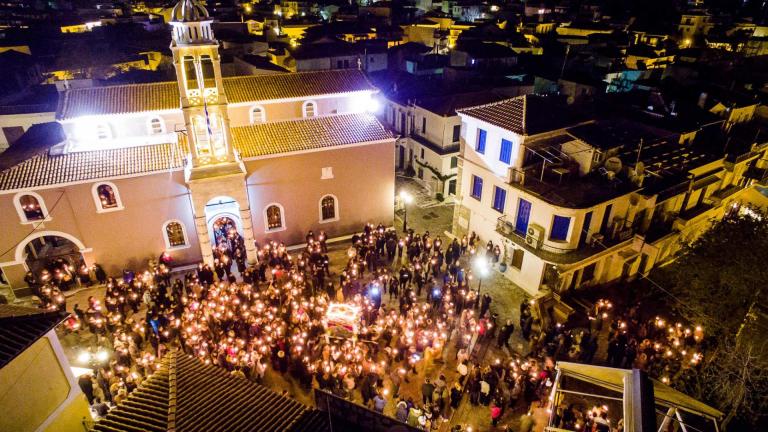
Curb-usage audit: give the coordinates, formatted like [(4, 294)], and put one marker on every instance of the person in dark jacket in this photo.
[(87, 387), (426, 391)]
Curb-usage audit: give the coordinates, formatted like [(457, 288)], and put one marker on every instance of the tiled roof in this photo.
[(165, 95), (20, 327), (44, 169), (446, 105), (185, 395), (525, 115), (296, 135)]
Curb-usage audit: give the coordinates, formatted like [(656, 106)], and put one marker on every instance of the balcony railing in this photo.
[(563, 256)]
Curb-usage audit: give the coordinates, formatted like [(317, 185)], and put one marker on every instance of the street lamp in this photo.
[(407, 199), (481, 266)]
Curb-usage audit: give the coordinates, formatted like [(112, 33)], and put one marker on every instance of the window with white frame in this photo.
[(156, 126), (30, 207), (274, 218), (106, 197), (309, 109), (329, 208), (103, 131), (326, 173), (175, 235), (258, 115)]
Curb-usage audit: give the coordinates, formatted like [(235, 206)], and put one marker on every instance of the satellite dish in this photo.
[(613, 164), (640, 168)]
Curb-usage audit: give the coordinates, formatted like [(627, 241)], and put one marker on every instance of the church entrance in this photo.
[(225, 231), (226, 237), (57, 260)]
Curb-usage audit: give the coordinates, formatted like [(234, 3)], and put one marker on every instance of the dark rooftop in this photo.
[(527, 115), (20, 327), (605, 135), (447, 105), (185, 395)]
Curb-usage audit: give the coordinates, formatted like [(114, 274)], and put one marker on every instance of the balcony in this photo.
[(565, 256), (694, 215), (720, 196), (557, 186)]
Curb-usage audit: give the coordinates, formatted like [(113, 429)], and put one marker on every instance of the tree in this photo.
[(719, 280), (721, 275)]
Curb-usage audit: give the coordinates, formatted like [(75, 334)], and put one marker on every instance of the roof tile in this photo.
[(186, 395), (130, 98), (525, 115), (44, 169), (20, 327)]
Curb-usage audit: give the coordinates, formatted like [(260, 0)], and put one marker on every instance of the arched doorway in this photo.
[(225, 229), (54, 258), (226, 236)]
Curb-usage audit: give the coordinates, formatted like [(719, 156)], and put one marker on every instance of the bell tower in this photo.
[(213, 166), (203, 101)]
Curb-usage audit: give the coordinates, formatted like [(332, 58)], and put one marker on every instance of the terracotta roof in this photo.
[(296, 135), (185, 395), (43, 169), (165, 95), (20, 327), (525, 115)]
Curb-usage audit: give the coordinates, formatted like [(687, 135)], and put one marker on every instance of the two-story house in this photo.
[(430, 145), (576, 201)]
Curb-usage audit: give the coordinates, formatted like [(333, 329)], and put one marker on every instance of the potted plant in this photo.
[(503, 263)]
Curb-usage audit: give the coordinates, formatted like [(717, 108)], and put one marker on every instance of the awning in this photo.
[(613, 379)]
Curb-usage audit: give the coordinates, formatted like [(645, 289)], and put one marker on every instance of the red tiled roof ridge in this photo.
[(159, 96), (490, 104)]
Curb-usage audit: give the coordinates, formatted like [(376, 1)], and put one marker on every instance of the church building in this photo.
[(128, 172)]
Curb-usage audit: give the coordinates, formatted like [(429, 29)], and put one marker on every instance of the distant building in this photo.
[(431, 146), (695, 24), (329, 54), (480, 55)]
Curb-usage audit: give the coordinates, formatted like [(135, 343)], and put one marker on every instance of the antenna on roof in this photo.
[(565, 59)]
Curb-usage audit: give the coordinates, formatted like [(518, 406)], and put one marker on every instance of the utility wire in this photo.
[(36, 225)]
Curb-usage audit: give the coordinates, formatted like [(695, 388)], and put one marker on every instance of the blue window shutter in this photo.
[(499, 198), (523, 214), (560, 225), (506, 151), (481, 135), (477, 187)]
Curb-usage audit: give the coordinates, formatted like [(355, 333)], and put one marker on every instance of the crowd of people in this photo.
[(401, 311)]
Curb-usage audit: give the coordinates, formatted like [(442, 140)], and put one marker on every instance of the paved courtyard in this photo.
[(423, 214)]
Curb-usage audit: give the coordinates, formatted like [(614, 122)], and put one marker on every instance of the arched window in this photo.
[(258, 115), (274, 217), (156, 126), (30, 207), (329, 210), (106, 197), (309, 109), (103, 131), (175, 235)]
